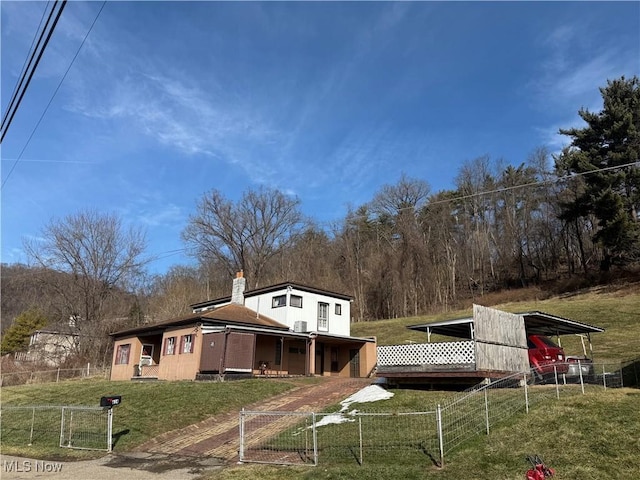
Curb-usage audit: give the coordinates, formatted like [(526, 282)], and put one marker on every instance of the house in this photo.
[(490, 344), (284, 329), (49, 347)]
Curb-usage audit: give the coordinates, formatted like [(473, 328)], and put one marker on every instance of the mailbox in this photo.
[(110, 401)]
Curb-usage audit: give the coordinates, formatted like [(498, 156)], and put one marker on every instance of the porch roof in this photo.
[(535, 322), (231, 314)]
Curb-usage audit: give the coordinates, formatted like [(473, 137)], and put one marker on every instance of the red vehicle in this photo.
[(544, 355)]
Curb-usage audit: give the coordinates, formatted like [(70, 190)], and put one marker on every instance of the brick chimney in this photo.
[(237, 294)]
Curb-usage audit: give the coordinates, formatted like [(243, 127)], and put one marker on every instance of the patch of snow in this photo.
[(334, 419), (372, 393)]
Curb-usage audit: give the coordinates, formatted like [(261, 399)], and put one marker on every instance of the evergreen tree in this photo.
[(606, 154), (16, 338)]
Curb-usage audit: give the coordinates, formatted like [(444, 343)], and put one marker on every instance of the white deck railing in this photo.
[(443, 353)]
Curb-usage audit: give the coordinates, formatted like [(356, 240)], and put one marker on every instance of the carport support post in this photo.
[(581, 380), (555, 374)]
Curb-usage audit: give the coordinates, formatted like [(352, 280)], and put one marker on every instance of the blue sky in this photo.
[(328, 101)]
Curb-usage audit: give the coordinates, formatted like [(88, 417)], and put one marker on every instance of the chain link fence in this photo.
[(87, 428), (55, 375), (295, 438)]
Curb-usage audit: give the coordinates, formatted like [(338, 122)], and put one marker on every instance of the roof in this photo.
[(536, 323), (231, 314), (274, 288)]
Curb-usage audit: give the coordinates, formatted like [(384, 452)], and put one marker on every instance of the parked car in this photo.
[(544, 355), (576, 363)]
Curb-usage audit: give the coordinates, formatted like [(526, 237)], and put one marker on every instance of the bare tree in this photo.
[(245, 235), (102, 258), (173, 292)]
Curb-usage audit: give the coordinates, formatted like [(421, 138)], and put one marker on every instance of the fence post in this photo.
[(241, 426), (604, 377), (315, 440), (526, 393), (486, 408), (581, 380), (440, 437), (555, 374), (88, 369), (62, 427), (110, 430), (33, 419), (58, 375), (360, 434)]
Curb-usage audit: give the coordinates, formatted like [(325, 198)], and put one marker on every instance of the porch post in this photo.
[(311, 356)]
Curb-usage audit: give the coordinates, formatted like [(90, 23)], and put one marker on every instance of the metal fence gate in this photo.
[(295, 438), (86, 428), (283, 438)]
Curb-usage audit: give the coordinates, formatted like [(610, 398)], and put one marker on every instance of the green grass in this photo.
[(583, 437), (147, 410), (588, 437)]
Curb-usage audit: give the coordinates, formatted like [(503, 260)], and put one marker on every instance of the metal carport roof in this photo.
[(536, 323)]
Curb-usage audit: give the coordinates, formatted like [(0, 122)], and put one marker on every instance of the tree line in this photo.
[(408, 251)]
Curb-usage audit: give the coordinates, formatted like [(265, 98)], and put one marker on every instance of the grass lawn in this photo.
[(147, 410), (588, 437), (583, 437)]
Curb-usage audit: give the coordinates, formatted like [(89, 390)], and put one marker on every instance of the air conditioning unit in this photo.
[(300, 326)]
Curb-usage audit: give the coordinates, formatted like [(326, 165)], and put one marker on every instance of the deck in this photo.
[(442, 362)]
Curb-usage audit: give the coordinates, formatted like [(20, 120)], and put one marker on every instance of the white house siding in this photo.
[(288, 315)]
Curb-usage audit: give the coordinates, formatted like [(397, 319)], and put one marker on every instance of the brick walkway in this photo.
[(219, 436)]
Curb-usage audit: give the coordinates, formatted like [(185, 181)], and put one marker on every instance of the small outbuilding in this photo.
[(492, 344)]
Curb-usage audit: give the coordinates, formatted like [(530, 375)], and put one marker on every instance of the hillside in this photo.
[(614, 308)]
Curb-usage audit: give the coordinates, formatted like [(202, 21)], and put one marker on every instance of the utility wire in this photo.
[(54, 94), (27, 59), (13, 107)]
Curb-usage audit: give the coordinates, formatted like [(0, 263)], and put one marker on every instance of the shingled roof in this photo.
[(231, 314)]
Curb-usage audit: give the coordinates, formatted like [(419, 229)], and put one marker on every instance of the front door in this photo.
[(146, 356), (335, 352), (354, 361)]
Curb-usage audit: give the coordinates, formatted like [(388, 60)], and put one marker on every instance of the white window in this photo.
[(187, 344), (279, 301), (338, 309), (170, 346), (323, 316), (295, 301), (122, 355)]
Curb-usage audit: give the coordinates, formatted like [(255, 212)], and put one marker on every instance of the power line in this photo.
[(27, 59), (54, 94), (22, 86), (505, 189)]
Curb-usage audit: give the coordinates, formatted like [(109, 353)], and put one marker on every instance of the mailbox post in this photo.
[(108, 403)]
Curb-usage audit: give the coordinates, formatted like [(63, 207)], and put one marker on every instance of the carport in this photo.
[(492, 344), (535, 323)]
